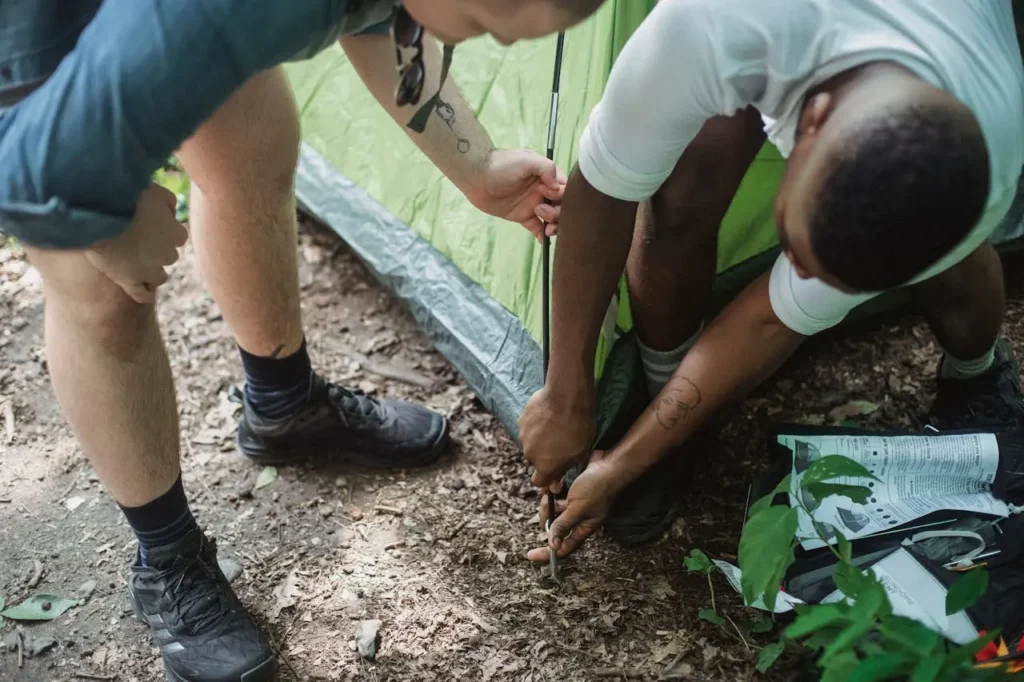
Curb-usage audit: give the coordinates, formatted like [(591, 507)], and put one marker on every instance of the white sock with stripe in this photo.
[(659, 366), (967, 369)]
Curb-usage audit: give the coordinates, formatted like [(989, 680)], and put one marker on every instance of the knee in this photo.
[(92, 305)]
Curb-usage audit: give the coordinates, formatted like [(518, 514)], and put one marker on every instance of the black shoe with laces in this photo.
[(347, 425), (203, 631), (992, 400)]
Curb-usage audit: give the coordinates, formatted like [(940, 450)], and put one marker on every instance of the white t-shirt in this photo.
[(692, 60)]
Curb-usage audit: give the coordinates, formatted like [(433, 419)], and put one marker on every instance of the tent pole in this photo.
[(546, 261)]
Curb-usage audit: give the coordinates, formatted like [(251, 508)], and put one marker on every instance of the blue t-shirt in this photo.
[(118, 85)]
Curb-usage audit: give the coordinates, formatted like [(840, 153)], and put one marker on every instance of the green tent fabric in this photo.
[(471, 281)]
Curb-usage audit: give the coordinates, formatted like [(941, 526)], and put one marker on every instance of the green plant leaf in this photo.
[(964, 655), (711, 616), (766, 501), (766, 659), (821, 638), (840, 667), (857, 493), (843, 545), (761, 624), (834, 466), (845, 640), (882, 667), (266, 477), (812, 618), (39, 607), (766, 551), (698, 562), (915, 638), (928, 669), (869, 602), (966, 590), (852, 581)]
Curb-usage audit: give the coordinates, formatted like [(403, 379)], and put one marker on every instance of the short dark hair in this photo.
[(580, 8), (906, 188)]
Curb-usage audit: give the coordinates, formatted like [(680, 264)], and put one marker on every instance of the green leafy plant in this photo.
[(698, 562), (860, 639)]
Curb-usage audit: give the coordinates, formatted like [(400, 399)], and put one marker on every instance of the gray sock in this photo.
[(966, 369), (659, 366)]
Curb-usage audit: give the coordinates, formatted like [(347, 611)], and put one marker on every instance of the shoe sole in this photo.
[(355, 457), (261, 673)]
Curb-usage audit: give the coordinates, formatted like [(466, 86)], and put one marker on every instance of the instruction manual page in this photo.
[(917, 594), (917, 475)]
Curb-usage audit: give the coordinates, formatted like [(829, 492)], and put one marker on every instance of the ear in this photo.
[(800, 271), (815, 113)]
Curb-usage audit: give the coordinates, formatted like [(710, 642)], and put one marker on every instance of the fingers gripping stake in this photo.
[(546, 279)]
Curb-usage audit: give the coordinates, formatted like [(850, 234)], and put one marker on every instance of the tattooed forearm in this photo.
[(676, 400), (446, 113)]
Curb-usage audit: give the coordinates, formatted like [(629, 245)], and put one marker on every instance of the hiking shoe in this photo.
[(645, 508), (349, 426), (204, 632), (992, 400)]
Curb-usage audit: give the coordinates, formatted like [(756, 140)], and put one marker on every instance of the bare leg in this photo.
[(965, 305), (672, 262), (242, 164), (112, 378)]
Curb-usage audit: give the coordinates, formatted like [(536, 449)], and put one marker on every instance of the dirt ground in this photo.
[(436, 555)]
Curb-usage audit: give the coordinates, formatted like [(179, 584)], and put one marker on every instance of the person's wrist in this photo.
[(617, 473), (572, 395)]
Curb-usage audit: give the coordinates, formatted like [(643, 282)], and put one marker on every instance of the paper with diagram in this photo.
[(917, 475)]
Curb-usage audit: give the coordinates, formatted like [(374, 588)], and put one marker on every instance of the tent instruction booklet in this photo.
[(917, 476)]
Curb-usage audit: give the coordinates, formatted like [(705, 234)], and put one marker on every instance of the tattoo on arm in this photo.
[(446, 113), (679, 396)]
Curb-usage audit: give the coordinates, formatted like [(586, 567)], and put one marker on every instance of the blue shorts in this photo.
[(35, 35), (117, 85)]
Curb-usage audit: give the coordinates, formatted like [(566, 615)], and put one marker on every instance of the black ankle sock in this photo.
[(162, 521), (277, 387)]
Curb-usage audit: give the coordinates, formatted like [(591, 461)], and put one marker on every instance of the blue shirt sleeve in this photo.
[(144, 75)]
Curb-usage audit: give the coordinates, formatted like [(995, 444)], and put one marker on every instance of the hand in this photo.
[(514, 185), (135, 260), (583, 511), (555, 437)]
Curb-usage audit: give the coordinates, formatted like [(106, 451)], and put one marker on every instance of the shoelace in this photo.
[(355, 403), (199, 581)]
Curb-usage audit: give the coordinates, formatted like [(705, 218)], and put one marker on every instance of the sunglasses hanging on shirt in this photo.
[(408, 34)]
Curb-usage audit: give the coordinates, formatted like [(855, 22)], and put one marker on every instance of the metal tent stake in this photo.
[(546, 275)]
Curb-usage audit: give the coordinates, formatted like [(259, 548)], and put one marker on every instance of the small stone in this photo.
[(355, 513), (18, 323), (230, 568), (341, 482), (87, 588), (458, 484), (10, 642), (368, 638), (39, 645), (326, 511), (316, 542), (348, 570)]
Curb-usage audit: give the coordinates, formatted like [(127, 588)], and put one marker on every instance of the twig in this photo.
[(388, 371), (457, 530), (21, 650), (394, 545), (5, 500), (8, 420), (37, 574), (90, 676), (612, 673), (712, 588), (742, 639), (388, 510), (671, 666)]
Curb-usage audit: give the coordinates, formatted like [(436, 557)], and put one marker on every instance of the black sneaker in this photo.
[(992, 400), (204, 632), (347, 425), (646, 508)]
